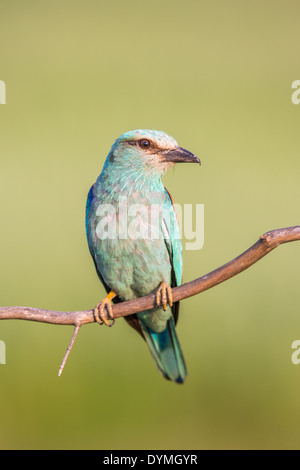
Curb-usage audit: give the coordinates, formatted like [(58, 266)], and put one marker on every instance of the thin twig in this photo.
[(75, 333), (262, 247)]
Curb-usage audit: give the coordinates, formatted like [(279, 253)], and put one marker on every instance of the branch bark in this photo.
[(261, 248)]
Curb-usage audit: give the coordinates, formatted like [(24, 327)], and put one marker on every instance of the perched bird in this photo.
[(133, 237)]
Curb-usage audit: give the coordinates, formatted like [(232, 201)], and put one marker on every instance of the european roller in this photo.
[(133, 237)]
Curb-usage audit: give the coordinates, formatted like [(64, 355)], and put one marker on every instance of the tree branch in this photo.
[(262, 247)]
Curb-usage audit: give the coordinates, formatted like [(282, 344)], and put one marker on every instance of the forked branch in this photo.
[(262, 247)]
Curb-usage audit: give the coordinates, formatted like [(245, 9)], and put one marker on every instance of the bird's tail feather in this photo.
[(166, 351)]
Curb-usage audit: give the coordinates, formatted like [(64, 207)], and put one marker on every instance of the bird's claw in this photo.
[(164, 296), (103, 312)]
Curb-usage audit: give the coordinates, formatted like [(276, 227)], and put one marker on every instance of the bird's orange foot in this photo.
[(103, 311), (164, 296)]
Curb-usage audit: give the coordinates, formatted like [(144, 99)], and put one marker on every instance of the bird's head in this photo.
[(148, 151)]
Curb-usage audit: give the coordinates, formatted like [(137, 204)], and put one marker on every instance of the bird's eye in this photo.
[(144, 143)]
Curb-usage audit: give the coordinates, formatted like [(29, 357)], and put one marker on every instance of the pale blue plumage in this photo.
[(133, 255)]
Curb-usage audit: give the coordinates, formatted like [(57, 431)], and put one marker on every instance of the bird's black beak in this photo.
[(179, 155)]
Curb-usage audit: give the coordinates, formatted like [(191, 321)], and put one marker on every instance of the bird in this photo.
[(134, 239)]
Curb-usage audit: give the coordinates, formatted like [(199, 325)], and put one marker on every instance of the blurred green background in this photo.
[(217, 76)]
